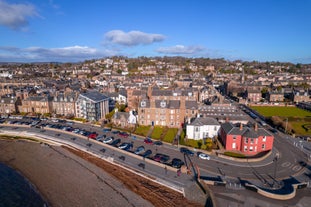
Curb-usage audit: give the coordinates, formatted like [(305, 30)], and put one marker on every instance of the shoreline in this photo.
[(32, 185), (62, 172)]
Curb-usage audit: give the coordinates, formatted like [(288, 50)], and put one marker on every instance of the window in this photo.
[(250, 148), (264, 138), (143, 104), (245, 148), (263, 146), (163, 104), (233, 145), (246, 140), (252, 141), (234, 137), (197, 129)]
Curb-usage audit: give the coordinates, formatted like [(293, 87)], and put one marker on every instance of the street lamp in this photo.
[(286, 125), (275, 159)]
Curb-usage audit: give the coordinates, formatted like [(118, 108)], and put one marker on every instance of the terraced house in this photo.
[(170, 108), (64, 103), (8, 105), (37, 104)]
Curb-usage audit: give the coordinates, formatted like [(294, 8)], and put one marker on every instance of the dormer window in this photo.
[(163, 104), (143, 104)]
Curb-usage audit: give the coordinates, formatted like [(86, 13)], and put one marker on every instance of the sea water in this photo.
[(16, 191)]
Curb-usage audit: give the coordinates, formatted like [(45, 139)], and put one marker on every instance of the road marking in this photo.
[(296, 168), (286, 164)]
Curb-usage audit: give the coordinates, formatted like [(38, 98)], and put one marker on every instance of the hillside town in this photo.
[(192, 93)]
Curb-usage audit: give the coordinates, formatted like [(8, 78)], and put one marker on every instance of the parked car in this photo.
[(115, 132), (108, 140), (186, 151), (92, 135), (125, 146), (158, 143), (177, 163), (161, 158), (107, 130), (123, 134), (203, 156), (148, 140), (115, 142), (147, 153), (139, 150)]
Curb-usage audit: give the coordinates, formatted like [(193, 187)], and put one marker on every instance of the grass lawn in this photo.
[(142, 130), (157, 132), (283, 111), (297, 117), (170, 135), (298, 126)]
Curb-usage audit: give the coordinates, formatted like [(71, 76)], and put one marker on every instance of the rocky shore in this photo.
[(68, 177)]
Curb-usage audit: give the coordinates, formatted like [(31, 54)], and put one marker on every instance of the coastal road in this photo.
[(291, 160)]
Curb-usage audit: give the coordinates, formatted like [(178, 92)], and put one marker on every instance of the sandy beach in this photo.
[(67, 177)]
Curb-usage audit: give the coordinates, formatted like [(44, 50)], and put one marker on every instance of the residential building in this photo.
[(92, 105), (37, 104), (201, 128), (64, 104), (253, 96), (300, 96), (276, 96), (247, 140), (8, 105)]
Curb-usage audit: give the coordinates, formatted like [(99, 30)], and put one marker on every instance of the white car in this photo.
[(204, 156), (108, 140)]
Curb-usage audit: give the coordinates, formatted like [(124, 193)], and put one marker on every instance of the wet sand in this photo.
[(68, 177)]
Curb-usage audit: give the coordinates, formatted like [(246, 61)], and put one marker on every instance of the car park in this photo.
[(177, 163), (139, 150), (204, 156)]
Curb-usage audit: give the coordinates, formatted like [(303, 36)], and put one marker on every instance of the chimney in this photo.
[(256, 127), (241, 126)]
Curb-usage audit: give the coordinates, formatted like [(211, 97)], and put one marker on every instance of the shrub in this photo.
[(234, 154)]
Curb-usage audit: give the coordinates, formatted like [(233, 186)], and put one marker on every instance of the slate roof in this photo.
[(94, 96), (191, 105), (249, 132), (172, 104), (200, 121)]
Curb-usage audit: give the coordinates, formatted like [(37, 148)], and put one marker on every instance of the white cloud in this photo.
[(180, 50), (132, 38), (15, 16), (64, 54)]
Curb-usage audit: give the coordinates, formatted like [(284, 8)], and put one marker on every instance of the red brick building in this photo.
[(247, 140)]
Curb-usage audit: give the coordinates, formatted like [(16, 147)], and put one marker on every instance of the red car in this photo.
[(148, 141), (123, 134), (92, 135)]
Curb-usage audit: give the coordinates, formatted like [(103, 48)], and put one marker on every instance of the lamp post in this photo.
[(275, 159), (286, 125)]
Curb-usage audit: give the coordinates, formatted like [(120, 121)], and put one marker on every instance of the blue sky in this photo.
[(72, 30)]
